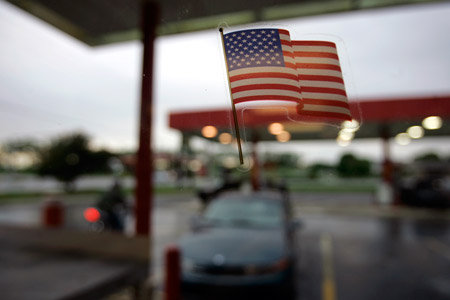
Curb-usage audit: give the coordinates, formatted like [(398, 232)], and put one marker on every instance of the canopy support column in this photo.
[(387, 173), (144, 164)]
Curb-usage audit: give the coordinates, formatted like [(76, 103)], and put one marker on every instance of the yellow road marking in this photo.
[(328, 283), (328, 290)]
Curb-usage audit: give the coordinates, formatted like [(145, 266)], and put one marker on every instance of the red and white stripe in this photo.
[(268, 83), (321, 82)]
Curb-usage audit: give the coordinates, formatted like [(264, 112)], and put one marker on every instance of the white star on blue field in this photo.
[(253, 48)]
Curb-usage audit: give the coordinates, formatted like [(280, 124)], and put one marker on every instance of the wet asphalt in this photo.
[(349, 246)]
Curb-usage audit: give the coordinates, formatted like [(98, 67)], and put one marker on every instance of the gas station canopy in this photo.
[(377, 117), (99, 22)]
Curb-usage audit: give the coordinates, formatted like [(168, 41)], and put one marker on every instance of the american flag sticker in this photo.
[(261, 66), (321, 81), (264, 64)]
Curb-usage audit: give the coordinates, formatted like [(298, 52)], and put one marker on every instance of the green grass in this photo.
[(30, 197), (333, 188), (333, 185), (295, 184)]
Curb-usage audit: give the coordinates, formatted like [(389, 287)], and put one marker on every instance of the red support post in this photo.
[(144, 166), (387, 163), (53, 214), (255, 171), (173, 273), (388, 166)]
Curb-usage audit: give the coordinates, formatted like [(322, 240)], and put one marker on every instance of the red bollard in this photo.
[(173, 273), (53, 214)]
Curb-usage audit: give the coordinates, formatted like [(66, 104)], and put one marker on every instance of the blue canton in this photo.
[(253, 48)]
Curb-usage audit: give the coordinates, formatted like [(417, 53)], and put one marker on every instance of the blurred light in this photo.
[(162, 164), (209, 131), (432, 123), (275, 128), (225, 138), (346, 135), (415, 132), (341, 142), (230, 162), (350, 126), (283, 137), (195, 165), (91, 214), (403, 139)]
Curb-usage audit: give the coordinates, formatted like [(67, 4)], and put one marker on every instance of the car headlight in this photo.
[(278, 266)]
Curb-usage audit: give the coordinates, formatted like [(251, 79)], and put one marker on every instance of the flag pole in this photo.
[(236, 124)]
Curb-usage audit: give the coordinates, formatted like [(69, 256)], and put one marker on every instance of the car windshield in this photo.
[(245, 213)]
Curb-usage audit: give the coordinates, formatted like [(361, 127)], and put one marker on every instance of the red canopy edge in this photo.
[(374, 110)]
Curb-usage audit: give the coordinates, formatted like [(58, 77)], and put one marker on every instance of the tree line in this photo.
[(69, 156), (64, 158)]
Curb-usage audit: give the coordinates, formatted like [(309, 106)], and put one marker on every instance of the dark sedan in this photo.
[(241, 244)]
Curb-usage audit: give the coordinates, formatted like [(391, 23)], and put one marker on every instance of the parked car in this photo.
[(241, 245), (428, 185)]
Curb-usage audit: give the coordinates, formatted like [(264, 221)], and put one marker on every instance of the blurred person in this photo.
[(112, 204)]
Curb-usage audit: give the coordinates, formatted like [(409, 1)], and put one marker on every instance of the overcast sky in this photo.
[(51, 83)]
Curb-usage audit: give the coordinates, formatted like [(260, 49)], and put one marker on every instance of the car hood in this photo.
[(234, 245)]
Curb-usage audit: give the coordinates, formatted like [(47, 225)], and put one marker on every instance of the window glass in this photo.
[(245, 213)]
